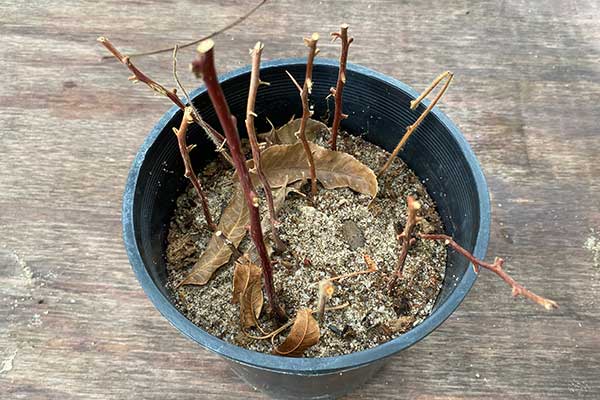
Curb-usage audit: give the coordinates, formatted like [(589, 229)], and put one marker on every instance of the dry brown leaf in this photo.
[(233, 224), (335, 169), (286, 134), (247, 291), (304, 333), (280, 194), (245, 275)]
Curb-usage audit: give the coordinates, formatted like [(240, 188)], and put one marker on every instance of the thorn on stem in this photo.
[(341, 81)]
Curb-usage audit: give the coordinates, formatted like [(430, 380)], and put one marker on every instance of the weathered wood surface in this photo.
[(74, 322)]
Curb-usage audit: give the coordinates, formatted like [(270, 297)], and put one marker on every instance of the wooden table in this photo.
[(74, 323)]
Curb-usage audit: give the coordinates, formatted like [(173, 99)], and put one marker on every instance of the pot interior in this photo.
[(378, 110)]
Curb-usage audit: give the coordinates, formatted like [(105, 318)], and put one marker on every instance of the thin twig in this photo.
[(311, 43), (371, 267), (190, 103), (271, 334), (334, 308), (205, 63), (138, 75), (254, 84), (414, 103), (341, 82), (194, 42), (277, 331), (217, 139), (406, 239), (496, 267), (187, 163), (326, 286), (413, 127), (294, 81)]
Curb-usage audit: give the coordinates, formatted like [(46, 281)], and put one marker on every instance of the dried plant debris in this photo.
[(247, 292), (305, 333), (319, 249), (334, 169), (281, 164), (288, 133), (233, 223)]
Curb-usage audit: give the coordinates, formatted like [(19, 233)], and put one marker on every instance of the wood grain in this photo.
[(74, 322)]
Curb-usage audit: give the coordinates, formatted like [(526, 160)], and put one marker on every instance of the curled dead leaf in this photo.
[(280, 194), (335, 169), (305, 333), (233, 224), (247, 291), (286, 134)]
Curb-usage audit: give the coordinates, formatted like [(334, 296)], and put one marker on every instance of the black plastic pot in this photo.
[(378, 106)]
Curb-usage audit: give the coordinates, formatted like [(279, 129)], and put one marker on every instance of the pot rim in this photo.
[(305, 366)]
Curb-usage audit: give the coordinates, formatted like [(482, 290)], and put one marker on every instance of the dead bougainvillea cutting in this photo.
[(286, 166)]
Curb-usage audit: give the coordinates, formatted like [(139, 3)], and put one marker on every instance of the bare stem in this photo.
[(413, 127), (254, 84), (326, 286), (194, 42), (189, 171), (371, 267), (205, 63), (138, 75), (414, 103), (213, 135), (496, 267), (339, 88), (311, 43), (326, 289), (406, 238)]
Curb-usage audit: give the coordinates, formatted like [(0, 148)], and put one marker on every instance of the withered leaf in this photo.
[(247, 291), (233, 224), (304, 333), (280, 194), (252, 253), (335, 169), (286, 134)]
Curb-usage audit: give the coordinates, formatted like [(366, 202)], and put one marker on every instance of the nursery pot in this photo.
[(378, 108)]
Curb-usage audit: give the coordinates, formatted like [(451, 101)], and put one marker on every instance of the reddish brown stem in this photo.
[(210, 36), (220, 145), (205, 63), (405, 238), (341, 82), (138, 75), (496, 267), (413, 127), (187, 163), (311, 43), (254, 84)]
